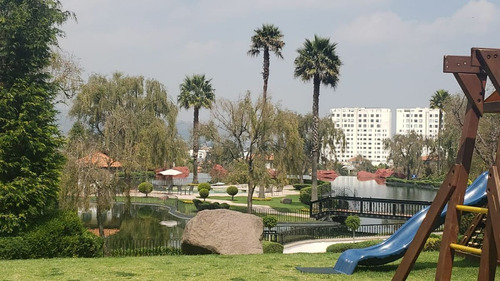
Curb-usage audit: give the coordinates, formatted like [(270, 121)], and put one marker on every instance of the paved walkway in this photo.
[(320, 245)]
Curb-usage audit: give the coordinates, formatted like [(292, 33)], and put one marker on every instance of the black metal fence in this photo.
[(290, 234), (366, 207), (140, 247)]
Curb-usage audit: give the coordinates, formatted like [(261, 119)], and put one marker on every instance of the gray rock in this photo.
[(223, 232), (286, 200)]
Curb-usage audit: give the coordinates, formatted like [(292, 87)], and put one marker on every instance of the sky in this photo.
[(391, 50)]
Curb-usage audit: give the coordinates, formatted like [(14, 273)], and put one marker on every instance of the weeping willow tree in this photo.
[(128, 118)]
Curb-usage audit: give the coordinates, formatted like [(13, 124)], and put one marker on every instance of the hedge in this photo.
[(61, 234)]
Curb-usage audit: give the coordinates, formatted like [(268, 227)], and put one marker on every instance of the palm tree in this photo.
[(317, 61), (268, 38), (437, 102), (196, 92)]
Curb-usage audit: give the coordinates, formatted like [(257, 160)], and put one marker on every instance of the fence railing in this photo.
[(325, 232), (288, 234), (366, 207), (140, 247)]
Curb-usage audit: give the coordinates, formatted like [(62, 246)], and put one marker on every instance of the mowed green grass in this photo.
[(214, 267), (273, 203)]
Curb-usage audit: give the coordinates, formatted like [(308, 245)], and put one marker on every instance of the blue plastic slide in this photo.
[(395, 246)]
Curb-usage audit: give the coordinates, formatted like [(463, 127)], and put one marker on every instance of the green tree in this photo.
[(266, 39), (30, 160), (145, 187), (204, 193), (131, 120), (196, 92), (437, 102), (232, 191), (317, 60), (406, 152), (353, 223), (244, 124)]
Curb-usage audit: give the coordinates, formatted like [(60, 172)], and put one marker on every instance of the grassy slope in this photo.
[(213, 267)]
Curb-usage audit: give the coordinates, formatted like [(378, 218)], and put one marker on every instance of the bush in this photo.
[(270, 221), (272, 247), (232, 191), (204, 185), (341, 247), (200, 206), (299, 186), (60, 235), (204, 193), (432, 244), (145, 187), (305, 195)]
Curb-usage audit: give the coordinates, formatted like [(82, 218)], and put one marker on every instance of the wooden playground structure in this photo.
[(471, 72)]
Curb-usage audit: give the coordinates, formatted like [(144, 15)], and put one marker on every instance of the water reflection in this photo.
[(351, 186), (137, 222)]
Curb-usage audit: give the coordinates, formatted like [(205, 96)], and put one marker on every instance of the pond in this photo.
[(351, 186), (138, 222)]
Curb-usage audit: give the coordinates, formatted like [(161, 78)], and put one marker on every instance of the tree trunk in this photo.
[(439, 142), (251, 188), (195, 144), (315, 148), (265, 74)]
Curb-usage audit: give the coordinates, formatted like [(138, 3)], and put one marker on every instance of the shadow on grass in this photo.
[(460, 263)]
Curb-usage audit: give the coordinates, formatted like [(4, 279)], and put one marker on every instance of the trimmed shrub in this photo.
[(305, 195), (272, 247), (145, 187), (299, 186), (341, 247), (270, 221), (200, 205), (232, 191), (204, 193), (60, 235), (204, 185), (432, 244)]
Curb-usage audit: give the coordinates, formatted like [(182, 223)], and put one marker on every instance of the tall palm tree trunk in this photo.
[(265, 74), (315, 148), (196, 123), (439, 142)]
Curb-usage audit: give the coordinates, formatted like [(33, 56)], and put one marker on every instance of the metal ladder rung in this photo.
[(471, 209), (465, 249)]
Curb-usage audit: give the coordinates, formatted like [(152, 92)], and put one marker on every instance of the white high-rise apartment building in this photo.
[(424, 121), (365, 130)]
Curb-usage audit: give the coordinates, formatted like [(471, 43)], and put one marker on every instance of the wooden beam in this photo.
[(429, 222)]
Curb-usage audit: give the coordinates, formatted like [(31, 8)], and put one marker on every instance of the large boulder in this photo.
[(223, 232)]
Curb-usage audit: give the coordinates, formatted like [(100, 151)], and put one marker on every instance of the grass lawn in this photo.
[(273, 203), (215, 267)]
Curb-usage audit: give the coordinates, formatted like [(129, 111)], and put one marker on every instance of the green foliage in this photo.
[(272, 247), (30, 160), (204, 185), (420, 182), (305, 195), (204, 193), (299, 186), (305, 192), (270, 221), (341, 247), (432, 244), (406, 152), (154, 251), (232, 191), (353, 222), (200, 206), (145, 187), (60, 235)]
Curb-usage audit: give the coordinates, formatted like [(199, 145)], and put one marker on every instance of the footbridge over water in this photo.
[(365, 207)]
